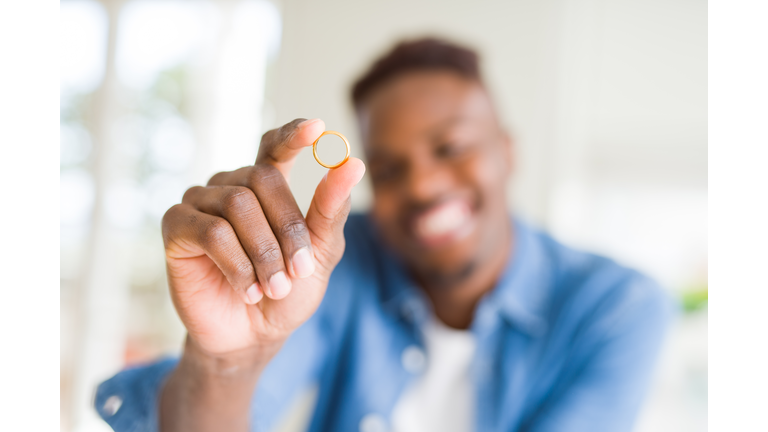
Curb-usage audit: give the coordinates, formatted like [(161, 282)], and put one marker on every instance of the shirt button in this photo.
[(111, 405), (414, 360), (373, 423)]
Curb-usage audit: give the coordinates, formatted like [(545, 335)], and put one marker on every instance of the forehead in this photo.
[(419, 103)]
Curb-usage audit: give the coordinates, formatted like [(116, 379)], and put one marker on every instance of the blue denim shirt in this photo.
[(566, 341)]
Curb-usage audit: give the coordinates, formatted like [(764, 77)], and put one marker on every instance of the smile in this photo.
[(444, 223)]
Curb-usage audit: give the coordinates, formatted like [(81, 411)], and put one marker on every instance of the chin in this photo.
[(453, 256), (450, 262)]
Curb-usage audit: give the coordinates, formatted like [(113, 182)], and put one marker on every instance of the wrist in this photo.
[(209, 391), (234, 364)]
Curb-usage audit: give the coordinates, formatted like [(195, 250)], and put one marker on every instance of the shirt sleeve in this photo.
[(612, 364), (128, 402)]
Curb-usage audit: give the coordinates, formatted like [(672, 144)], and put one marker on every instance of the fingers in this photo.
[(197, 234), (239, 206), (279, 147), (329, 208), (262, 216), (285, 220)]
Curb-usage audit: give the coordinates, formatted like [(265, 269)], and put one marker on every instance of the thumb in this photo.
[(329, 208)]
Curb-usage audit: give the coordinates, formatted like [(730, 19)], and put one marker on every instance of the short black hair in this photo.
[(421, 54)]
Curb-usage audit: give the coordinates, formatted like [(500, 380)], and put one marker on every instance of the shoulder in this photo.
[(588, 290), (359, 231), (360, 253)]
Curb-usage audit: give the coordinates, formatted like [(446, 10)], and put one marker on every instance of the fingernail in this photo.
[(303, 264), (309, 122), (279, 285), (253, 294)]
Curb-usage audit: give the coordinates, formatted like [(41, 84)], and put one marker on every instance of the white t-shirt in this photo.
[(442, 397)]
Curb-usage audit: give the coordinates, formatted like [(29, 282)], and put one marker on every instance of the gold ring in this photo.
[(317, 158)]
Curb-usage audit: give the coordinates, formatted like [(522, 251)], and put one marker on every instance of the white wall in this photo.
[(326, 45), (613, 88)]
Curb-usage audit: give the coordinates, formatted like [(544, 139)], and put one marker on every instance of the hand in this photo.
[(245, 268)]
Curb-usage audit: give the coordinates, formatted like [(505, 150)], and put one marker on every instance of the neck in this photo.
[(455, 305)]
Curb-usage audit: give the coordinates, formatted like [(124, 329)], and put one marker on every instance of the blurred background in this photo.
[(607, 101)]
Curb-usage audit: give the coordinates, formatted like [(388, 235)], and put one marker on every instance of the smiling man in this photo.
[(437, 311)]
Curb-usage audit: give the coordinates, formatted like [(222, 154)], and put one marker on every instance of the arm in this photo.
[(245, 269), (212, 392)]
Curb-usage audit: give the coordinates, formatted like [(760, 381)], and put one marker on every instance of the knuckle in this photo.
[(217, 178), (238, 198), (267, 253), (190, 193), (264, 170), (268, 136), (172, 212), (295, 229), (243, 269), (265, 174), (215, 231), (171, 215)]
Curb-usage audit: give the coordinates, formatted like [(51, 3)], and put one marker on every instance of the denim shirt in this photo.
[(566, 341)]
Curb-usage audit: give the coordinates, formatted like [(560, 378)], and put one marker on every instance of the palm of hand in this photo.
[(218, 319)]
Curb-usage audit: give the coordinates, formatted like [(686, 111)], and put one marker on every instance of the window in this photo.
[(155, 97)]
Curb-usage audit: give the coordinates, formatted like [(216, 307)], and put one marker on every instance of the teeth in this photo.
[(444, 219)]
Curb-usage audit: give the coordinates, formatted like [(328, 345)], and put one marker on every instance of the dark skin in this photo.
[(245, 268), (433, 138)]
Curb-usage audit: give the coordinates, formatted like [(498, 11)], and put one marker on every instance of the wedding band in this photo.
[(317, 158)]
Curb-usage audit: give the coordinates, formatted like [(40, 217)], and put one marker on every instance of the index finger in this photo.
[(279, 147)]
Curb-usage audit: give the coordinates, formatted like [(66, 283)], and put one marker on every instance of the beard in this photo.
[(445, 280)]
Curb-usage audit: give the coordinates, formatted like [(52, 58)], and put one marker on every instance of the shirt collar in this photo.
[(519, 295), (522, 290)]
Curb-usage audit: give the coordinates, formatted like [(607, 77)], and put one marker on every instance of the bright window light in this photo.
[(83, 44)]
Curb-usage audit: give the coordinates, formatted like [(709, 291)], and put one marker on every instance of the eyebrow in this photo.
[(458, 119), (373, 154), (452, 121)]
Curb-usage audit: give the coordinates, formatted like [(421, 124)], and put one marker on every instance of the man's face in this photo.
[(439, 162)]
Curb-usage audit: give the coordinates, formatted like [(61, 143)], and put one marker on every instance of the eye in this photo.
[(448, 150), (382, 173)]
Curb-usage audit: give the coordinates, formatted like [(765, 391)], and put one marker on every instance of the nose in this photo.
[(428, 180)]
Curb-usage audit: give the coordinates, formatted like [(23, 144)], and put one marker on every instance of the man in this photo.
[(443, 313)]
